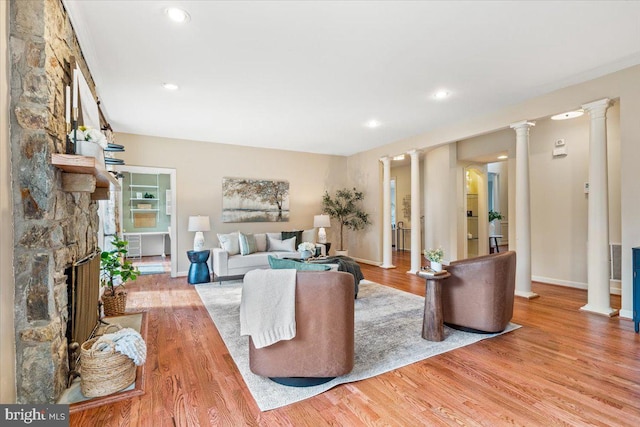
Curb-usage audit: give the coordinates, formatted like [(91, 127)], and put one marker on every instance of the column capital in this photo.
[(524, 124), (385, 159), (597, 108), (413, 152)]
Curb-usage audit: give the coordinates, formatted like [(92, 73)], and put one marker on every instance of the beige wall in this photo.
[(7, 333), (622, 84), (200, 167)]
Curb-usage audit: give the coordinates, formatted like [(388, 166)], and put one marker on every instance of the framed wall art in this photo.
[(255, 200)]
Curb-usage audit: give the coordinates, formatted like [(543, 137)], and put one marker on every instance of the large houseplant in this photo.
[(345, 207), (115, 271)]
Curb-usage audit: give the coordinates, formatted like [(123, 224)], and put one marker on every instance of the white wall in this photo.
[(7, 333), (200, 167)]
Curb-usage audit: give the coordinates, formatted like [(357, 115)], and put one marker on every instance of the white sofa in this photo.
[(228, 260)]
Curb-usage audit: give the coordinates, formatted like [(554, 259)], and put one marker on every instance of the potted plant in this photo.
[(344, 207), (435, 257), (494, 223), (115, 271)]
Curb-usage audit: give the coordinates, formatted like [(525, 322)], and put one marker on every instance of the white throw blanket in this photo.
[(127, 341), (268, 306)]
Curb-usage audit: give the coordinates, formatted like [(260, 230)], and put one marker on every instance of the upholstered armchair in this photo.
[(323, 347), (479, 294)]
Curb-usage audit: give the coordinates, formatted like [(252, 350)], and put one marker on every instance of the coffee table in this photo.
[(433, 321)]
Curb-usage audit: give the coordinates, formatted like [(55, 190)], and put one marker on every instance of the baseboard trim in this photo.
[(367, 261), (614, 285), (182, 273), (626, 314)]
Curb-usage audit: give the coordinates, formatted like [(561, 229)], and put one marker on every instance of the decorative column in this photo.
[(415, 212), (523, 211), (598, 293), (386, 213)]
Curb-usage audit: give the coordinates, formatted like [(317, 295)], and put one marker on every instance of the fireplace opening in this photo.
[(83, 291)]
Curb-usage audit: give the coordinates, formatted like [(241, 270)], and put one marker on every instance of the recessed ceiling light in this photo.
[(372, 124), (441, 94), (503, 157), (177, 15), (170, 86), (568, 115)]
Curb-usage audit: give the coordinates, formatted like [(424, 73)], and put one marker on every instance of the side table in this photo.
[(433, 321), (199, 270)]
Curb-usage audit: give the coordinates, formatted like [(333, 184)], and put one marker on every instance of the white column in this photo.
[(598, 294), (523, 211), (386, 213), (415, 212)]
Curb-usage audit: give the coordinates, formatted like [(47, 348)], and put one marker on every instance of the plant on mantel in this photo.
[(344, 207)]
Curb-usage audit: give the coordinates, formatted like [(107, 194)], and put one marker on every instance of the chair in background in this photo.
[(478, 296)]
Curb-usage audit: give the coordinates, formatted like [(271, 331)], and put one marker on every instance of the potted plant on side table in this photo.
[(115, 271), (435, 258), (345, 208)]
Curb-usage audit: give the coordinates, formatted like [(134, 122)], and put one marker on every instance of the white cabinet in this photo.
[(134, 245)]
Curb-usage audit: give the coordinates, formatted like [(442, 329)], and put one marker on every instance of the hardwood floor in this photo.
[(563, 367)]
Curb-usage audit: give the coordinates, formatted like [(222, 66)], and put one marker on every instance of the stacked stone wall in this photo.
[(53, 229)]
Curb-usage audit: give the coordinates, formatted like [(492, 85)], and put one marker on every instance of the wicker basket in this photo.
[(114, 305), (104, 372)]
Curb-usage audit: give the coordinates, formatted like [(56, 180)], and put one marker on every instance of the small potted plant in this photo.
[(306, 249), (494, 222), (115, 271), (435, 257)]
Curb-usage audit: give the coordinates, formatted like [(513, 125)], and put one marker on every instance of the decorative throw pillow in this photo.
[(288, 245), (290, 234), (229, 242), (309, 236), (277, 264), (261, 242), (276, 236), (247, 243)]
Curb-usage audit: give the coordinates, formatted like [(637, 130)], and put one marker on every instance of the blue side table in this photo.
[(199, 270)]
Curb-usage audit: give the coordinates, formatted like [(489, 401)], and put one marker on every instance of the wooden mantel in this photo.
[(85, 174)]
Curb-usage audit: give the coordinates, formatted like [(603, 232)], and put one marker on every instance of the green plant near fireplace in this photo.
[(115, 270)]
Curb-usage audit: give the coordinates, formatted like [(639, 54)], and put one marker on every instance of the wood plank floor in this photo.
[(563, 367)]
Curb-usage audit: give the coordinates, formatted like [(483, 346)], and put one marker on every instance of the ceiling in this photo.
[(307, 76)]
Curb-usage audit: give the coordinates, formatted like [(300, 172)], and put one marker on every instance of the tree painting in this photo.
[(254, 200)]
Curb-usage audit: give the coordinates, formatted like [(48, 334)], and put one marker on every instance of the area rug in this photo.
[(388, 327), (151, 269)]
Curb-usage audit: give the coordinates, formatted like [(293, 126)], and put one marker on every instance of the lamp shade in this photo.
[(321, 221), (199, 223)]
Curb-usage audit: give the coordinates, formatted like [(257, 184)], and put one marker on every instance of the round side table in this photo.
[(199, 270)]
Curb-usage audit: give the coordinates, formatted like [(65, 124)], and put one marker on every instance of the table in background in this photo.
[(433, 321), (199, 270), (495, 238)]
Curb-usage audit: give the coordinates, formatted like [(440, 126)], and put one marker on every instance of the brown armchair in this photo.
[(478, 296), (323, 347)]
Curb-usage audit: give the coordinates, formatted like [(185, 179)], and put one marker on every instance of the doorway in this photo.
[(147, 217), (476, 209)]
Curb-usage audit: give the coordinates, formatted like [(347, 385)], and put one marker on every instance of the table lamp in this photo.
[(322, 221), (199, 224)]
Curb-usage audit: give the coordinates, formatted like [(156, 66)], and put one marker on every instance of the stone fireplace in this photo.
[(53, 229)]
